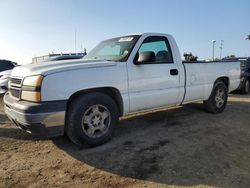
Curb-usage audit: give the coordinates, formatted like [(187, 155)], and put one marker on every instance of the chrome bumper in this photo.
[(41, 119)]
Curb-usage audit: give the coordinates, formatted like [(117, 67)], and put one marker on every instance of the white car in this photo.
[(4, 80), (85, 98)]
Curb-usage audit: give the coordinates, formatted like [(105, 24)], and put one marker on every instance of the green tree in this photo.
[(190, 57), (230, 56)]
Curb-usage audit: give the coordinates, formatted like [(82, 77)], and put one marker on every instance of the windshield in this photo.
[(116, 49)]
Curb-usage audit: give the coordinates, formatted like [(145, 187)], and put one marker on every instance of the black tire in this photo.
[(245, 86), (75, 128), (211, 105)]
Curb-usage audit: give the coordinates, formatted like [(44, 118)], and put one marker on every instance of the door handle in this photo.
[(174, 72)]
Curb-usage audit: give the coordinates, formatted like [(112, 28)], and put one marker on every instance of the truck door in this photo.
[(154, 83)]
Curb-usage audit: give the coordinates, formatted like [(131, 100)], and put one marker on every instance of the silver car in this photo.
[(4, 79)]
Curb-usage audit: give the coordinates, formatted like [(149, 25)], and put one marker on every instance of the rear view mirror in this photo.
[(145, 57)]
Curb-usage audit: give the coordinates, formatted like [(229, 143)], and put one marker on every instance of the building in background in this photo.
[(57, 57)]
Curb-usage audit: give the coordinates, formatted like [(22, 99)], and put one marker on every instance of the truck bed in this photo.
[(201, 76)]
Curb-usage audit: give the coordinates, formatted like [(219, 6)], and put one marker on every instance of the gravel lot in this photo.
[(178, 147)]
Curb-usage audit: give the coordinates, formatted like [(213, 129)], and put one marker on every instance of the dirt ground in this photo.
[(184, 147)]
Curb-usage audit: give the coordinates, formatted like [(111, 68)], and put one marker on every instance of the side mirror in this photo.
[(144, 57)]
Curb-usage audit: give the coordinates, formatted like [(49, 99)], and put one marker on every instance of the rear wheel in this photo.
[(245, 86), (218, 98), (91, 119)]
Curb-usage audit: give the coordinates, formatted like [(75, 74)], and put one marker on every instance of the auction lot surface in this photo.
[(183, 147)]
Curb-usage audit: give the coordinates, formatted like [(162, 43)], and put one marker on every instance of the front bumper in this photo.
[(44, 119)]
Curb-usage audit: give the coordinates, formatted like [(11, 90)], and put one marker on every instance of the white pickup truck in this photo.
[(84, 98)]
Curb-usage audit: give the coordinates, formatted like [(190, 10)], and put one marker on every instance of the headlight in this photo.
[(31, 88), (35, 81)]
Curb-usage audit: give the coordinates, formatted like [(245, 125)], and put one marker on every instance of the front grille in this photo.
[(15, 87), (15, 92), (15, 81)]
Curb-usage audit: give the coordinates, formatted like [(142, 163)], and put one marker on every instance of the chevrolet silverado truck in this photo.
[(84, 98)]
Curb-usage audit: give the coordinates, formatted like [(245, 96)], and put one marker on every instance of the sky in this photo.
[(30, 28)]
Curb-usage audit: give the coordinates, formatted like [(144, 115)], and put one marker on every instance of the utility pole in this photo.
[(213, 41), (221, 46), (75, 41)]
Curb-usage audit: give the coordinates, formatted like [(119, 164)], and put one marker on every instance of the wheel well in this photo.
[(110, 91), (224, 79)]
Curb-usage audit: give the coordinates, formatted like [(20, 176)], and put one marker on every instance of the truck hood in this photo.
[(51, 67)]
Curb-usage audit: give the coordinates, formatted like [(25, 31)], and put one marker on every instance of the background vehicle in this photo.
[(4, 79), (5, 71), (245, 76), (120, 76), (6, 65)]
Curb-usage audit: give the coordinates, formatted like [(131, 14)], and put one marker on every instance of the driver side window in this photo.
[(159, 49)]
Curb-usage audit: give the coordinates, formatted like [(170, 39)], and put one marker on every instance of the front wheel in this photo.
[(91, 119), (218, 98)]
